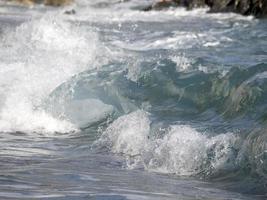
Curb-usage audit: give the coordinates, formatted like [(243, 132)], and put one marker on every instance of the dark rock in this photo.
[(70, 12), (257, 8), (189, 4), (239, 6), (163, 5)]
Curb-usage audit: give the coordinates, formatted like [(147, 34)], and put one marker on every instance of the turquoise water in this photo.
[(115, 103)]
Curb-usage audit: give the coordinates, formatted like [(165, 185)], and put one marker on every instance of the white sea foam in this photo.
[(128, 134), (176, 40), (128, 11), (182, 62), (37, 57), (182, 150)]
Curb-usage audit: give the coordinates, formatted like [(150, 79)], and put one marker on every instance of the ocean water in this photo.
[(115, 103)]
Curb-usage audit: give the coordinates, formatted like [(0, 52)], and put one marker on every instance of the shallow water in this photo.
[(115, 103)]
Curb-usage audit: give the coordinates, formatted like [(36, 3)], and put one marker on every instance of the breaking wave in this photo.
[(188, 101), (38, 56)]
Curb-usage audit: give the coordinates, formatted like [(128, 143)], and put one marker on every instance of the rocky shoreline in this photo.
[(257, 8)]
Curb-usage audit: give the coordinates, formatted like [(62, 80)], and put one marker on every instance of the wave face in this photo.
[(188, 123), (168, 92)]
